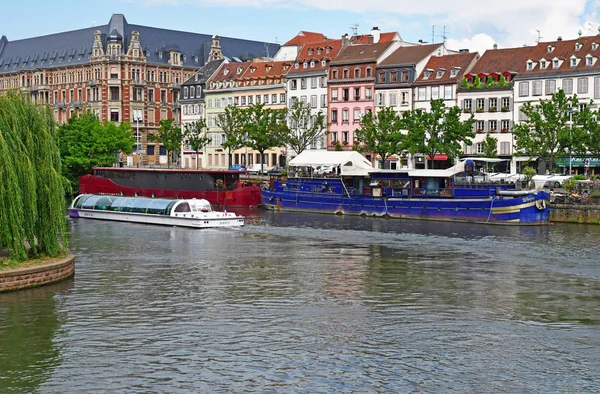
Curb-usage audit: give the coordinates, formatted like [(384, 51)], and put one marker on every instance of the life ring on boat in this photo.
[(540, 204), (136, 194), (153, 195)]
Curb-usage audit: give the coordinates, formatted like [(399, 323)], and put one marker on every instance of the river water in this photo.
[(312, 303)]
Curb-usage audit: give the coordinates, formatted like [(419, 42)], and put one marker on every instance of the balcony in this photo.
[(356, 98), (176, 105), (138, 82), (174, 85), (93, 82), (114, 81), (76, 104), (60, 105), (346, 98), (38, 88)]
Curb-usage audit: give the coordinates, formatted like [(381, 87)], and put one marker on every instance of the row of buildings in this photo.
[(141, 74)]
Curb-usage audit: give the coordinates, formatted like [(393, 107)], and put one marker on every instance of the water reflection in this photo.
[(317, 303)]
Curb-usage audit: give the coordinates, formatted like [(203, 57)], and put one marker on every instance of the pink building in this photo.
[(351, 88)]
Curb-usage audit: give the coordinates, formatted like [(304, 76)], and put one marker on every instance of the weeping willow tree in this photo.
[(32, 202)]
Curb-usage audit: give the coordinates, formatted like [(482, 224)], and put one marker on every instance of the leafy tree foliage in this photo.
[(381, 134), (86, 143), (489, 146), (437, 131), (32, 199), (230, 122), (170, 136), (304, 127), (262, 127), (195, 135), (548, 131), (589, 139)]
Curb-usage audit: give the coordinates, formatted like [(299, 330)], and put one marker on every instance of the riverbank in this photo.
[(569, 213), (36, 272)]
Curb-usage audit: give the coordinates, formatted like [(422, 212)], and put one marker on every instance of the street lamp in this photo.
[(137, 115), (571, 110)]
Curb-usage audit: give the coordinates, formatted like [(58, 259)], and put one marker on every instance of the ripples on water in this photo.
[(312, 303)]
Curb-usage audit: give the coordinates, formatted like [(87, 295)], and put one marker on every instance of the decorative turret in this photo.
[(97, 47), (215, 49), (115, 43), (135, 49)]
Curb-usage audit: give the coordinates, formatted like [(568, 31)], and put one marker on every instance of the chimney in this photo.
[(345, 40), (376, 34), (463, 51), (495, 46), (559, 38)]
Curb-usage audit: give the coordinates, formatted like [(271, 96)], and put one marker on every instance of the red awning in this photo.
[(439, 157)]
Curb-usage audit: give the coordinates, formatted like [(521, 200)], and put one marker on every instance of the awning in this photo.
[(578, 162), (440, 157)]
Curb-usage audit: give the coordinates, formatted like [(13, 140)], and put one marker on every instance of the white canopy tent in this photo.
[(349, 162)]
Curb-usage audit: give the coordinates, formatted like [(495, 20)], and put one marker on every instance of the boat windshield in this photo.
[(157, 206)]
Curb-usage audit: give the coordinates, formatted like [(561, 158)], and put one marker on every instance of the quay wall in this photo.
[(569, 213), (23, 278)]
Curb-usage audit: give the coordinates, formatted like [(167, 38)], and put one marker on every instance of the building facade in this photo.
[(119, 71)]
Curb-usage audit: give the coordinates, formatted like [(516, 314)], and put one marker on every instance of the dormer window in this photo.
[(310, 52), (160, 55), (440, 73), (550, 48), (296, 65), (427, 74), (543, 64), (328, 49), (555, 63), (594, 46), (530, 65), (312, 63), (578, 46), (454, 72), (589, 60), (239, 70), (573, 61), (305, 64), (252, 69), (323, 62), (319, 51)]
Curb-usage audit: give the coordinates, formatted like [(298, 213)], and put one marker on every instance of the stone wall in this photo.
[(38, 275), (568, 213)]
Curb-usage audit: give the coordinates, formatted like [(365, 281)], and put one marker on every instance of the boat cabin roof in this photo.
[(140, 204)]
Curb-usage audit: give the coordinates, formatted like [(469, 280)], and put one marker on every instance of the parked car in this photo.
[(276, 171), (238, 167), (322, 170), (552, 180), (256, 169)]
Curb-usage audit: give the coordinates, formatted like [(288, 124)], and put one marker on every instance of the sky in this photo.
[(467, 24)]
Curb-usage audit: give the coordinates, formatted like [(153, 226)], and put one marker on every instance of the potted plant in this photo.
[(504, 130), (479, 130), (492, 109), (345, 142), (505, 108), (467, 110), (492, 130), (479, 110)]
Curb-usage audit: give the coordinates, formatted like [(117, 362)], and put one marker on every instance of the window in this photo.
[(114, 93), (369, 72), (192, 91), (258, 98), (582, 85), (550, 87), (427, 74), (529, 65), (243, 100), (281, 98), (274, 99), (435, 92), (480, 124), (505, 148), (393, 77), (357, 115), (505, 104), (573, 61), (422, 94), (589, 61), (294, 84), (163, 96), (404, 98), (543, 64), (480, 104), (479, 148), (334, 116), (345, 136), (467, 105), (448, 92), (313, 101), (303, 83), (404, 76), (493, 104), (555, 63), (567, 86), (393, 99), (356, 94), (357, 73), (597, 88), (440, 74), (151, 95), (250, 100), (493, 126), (381, 77), (334, 74), (185, 92), (454, 72), (368, 94), (536, 88), (505, 125), (345, 115), (266, 99), (313, 83), (523, 89), (323, 101), (345, 94), (114, 115), (380, 99)]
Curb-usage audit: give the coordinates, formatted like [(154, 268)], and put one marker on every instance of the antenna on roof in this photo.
[(354, 29), (443, 36), (267, 49), (539, 36), (432, 34)]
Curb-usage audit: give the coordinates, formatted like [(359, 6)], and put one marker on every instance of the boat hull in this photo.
[(192, 222), (248, 196), (530, 209)]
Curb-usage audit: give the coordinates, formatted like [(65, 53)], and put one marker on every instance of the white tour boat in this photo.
[(196, 213)]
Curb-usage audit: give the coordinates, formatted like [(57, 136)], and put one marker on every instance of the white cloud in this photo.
[(478, 43), (477, 26)]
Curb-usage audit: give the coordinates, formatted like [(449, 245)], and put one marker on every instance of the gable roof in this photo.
[(75, 47), (304, 37), (407, 55), (264, 70), (334, 48), (202, 75), (501, 60), (229, 72), (364, 53), (368, 38), (461, 61)]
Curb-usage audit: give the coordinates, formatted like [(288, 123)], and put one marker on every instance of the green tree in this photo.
[(229, 122), (170, 136), (263, 128), (381, 134), (86, 143), (588, 135), (489, 146), (32, 198), (438, 131), (195, 134), (304, 127), (548, 131)]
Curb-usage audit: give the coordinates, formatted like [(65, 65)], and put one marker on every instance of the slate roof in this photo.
[(74, 47), (335, 47), (409, 55), (365, 53), (463, 61), (202, 75)]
